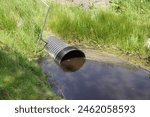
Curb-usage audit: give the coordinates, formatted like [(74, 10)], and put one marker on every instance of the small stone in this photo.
[(20, 22), (148, 43)]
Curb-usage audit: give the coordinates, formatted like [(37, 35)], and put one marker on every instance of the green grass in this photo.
[(20, 75), (124, 24), (21, 78)]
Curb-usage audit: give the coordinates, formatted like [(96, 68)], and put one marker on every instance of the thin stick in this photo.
[(42, 29)]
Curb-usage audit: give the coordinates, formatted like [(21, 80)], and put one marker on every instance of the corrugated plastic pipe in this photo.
[(61, 51)]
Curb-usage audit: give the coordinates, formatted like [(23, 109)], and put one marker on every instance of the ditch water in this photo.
[(82, 79)]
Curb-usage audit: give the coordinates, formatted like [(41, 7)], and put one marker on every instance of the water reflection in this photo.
[(95, 80)]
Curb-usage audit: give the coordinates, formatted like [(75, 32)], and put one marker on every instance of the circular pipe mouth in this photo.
[(73, 54), (69, 53), (72, 65)]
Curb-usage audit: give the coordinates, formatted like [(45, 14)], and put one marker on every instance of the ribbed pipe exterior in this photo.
[(54, 46), (61, 51)]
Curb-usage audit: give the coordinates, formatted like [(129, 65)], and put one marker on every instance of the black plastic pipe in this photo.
[(61, 51)]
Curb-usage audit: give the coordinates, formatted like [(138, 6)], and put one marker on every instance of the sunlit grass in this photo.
[(123, 27), (20, 75), (125, 24)]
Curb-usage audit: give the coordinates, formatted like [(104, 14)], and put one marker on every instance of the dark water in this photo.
[(87, 79)]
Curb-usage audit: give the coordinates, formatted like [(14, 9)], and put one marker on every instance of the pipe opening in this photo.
[(72, 65), (73, 54), (69, 53), (72, 61)]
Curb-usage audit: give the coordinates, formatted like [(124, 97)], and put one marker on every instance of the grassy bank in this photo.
[(20, 75), (124, 25)]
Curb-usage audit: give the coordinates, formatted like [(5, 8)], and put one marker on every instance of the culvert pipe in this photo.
[(60, 51)]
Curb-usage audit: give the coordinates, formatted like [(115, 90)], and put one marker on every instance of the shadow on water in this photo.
[(90, 80)]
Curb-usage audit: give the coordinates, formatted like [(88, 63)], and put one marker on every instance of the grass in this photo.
[(21, 78), (20, 75), (124, 25)]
